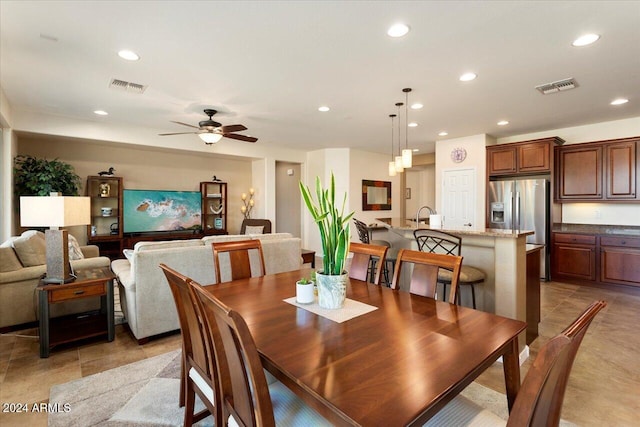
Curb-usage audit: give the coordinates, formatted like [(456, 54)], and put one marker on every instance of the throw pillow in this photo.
[(9, 260), (31, 248), (74, 249), (254, 229)]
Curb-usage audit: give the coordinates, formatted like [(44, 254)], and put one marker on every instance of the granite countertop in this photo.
[(401, 224), (622, 230)]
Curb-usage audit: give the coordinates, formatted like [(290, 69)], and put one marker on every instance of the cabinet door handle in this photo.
[(80, 292)]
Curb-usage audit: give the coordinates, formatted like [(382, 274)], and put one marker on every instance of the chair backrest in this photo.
[(243, 385), (539, 401), (437, 242), (195, 346), (363, 233), (239, 259), (362, 254), (265, 223), (424, 277)]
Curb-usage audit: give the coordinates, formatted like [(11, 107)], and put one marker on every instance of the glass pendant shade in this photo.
[(407, 158), (210, 138), (392, 168), (398, 163)]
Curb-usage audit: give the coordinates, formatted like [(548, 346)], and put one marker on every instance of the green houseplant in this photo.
[(39, 177), (335, 235)]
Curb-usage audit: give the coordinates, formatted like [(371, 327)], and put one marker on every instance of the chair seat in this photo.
[(463, 412), (468, 275)]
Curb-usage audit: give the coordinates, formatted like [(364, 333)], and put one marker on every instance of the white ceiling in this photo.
[(270, 65)]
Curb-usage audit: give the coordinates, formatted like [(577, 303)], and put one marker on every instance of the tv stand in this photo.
[(131, 239)]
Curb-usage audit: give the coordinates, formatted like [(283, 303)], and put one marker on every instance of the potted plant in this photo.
[(39, 177), (335, 236), (304, 291)]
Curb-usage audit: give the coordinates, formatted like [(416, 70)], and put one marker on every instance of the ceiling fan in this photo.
[(211, 131)]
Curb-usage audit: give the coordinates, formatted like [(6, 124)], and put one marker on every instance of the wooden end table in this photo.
[(90, 282), (309, 256)]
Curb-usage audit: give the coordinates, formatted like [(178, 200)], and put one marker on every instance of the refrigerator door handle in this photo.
[(516, 215)]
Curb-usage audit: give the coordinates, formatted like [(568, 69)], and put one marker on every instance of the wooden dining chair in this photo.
[(196, 376), (392, 253), (426, 267), (539, 401), (239, 258), (246, 399), (361, 261), (439, 242)]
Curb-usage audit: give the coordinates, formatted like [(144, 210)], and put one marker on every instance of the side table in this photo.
[(309, 256), (91, 282)]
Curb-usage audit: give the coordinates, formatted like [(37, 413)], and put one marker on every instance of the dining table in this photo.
[(397, 363)]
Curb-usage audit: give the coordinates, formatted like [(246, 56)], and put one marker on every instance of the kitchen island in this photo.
[(501, 254)]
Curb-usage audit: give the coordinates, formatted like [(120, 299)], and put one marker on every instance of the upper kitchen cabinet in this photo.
[(521, 158), (597, 171)]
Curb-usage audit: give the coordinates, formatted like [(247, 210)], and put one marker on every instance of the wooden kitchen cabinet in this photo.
[(521, 158), (574, 257), (604, 171), (620, 260)]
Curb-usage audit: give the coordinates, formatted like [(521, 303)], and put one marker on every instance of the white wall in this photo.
[(593, 213), (422, 183)]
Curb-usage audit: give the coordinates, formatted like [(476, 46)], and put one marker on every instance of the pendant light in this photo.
[(407, 154), (392, 163), (398, 161)]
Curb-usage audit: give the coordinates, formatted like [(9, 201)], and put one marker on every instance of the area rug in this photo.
[(145, 393)]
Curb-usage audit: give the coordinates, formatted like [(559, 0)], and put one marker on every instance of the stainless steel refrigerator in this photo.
[(523, 204)]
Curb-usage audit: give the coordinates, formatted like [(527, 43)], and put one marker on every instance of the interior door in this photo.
[(459, 198)]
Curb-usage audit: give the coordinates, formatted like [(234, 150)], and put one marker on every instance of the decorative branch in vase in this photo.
[(247, 203)]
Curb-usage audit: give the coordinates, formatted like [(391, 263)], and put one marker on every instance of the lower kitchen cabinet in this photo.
[(574, 256), (620, 260)]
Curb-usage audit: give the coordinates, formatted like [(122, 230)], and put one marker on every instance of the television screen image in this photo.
[(157, 210)]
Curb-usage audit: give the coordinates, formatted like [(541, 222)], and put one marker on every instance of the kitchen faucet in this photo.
[(431, 212)]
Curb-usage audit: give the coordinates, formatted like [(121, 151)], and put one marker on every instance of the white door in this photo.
[(459, 198)]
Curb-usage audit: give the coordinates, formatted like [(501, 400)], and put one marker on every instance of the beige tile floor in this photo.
[(604, 388)]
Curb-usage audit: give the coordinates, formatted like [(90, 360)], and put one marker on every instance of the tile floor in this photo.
[(604, 388)]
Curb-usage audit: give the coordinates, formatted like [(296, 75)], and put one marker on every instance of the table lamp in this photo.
[(55, 211)]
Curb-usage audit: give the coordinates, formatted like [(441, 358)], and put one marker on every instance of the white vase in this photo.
[(304, 293), (332, 290)]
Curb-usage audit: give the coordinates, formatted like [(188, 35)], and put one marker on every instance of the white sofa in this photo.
[(145, 296)]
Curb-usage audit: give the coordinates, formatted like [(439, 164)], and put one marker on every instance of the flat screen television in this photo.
[(146, 211)]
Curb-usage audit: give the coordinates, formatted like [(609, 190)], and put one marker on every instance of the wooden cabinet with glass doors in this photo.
[(105, 229)]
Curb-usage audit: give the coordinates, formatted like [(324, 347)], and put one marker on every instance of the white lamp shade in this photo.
[(210, 138), (399, 167), (407, 157), (54, 211), (392, 168)]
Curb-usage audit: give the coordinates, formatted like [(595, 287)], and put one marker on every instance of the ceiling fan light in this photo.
[(210, 138), (407, 158)]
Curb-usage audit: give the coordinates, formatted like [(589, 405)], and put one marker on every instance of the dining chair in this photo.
[(239, 259), (392, 253), (435, 241), (246, 399), (361, 261), (426, 268), (252, 226), (196, 376), (539, 401)]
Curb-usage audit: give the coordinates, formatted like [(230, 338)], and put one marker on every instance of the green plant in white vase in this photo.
[(335, 235)]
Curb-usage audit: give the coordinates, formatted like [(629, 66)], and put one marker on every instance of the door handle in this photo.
[(467, 224)]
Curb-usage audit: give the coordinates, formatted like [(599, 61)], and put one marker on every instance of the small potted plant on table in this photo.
[(304, 291)]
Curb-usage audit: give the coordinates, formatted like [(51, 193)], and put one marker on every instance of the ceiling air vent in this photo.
[(127, 86), (558, 86)]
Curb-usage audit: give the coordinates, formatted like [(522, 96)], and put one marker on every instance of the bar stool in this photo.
[(444, 243), (392, 253)]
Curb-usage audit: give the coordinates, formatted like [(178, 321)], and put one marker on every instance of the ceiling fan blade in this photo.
[(176, 133), (233, 128), (240, 137), (185, 124)]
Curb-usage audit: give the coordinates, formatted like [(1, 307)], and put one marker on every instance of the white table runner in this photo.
[(350, 310)]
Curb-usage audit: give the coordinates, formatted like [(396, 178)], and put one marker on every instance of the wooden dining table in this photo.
[(396, 365)]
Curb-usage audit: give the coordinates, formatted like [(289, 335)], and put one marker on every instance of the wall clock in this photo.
[(458, 154)]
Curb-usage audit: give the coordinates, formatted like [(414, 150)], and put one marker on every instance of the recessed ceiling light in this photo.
[(412, 125), (129, 55), (101, 113), (467, 77), (324, 108), (503, 123), (585, 40), (417, 106), (398, 30), (619, 101), (443, 133)]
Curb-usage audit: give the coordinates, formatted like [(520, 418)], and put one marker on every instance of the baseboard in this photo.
[(524, 355)]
